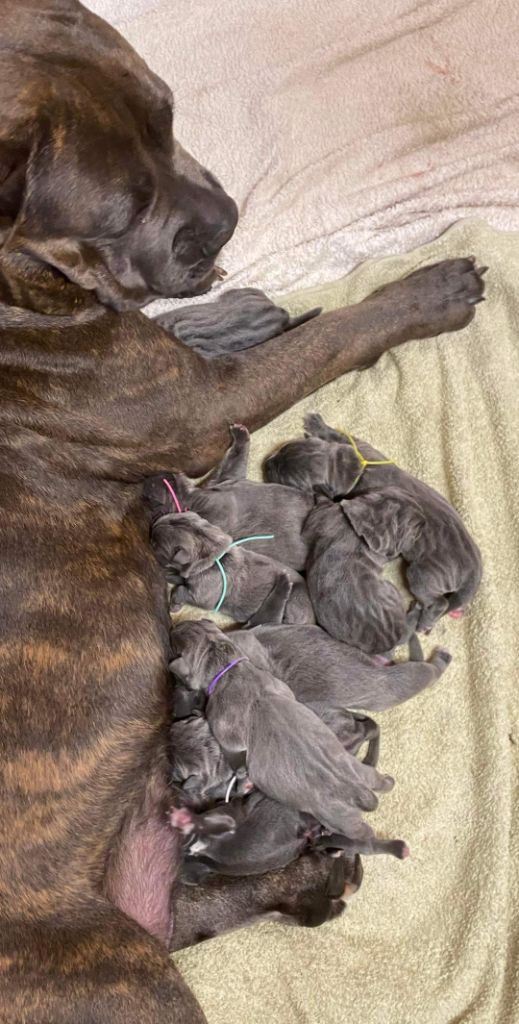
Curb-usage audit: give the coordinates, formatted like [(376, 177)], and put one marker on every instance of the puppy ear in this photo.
[(411, 524), (180, 669), (373, 521), (210, 541), (389, 522), (344, 468), (173, 544)]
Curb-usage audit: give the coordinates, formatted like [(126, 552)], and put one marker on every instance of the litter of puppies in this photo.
[(268, 721)]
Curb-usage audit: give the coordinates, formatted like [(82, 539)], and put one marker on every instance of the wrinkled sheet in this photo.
[(344, 129)]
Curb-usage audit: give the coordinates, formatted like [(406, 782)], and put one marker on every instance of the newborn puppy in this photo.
[(241, 318), (289, 753), (443, 562), (214, 574), (318, 668), (308, 892), (351, 599), (244, 837), (199, 771), (238, 506), (253, 835)]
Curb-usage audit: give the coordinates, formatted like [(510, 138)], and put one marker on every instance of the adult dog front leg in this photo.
[(254, 386)]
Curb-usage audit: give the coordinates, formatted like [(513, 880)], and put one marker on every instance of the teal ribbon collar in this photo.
[(218, 562)]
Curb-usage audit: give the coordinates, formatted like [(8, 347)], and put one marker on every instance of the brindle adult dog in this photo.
[(100, 211)]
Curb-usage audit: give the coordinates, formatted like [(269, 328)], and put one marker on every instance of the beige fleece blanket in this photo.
[(433, 940), (345, 129)]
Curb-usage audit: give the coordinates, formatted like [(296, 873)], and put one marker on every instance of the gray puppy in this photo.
[(202, 777), (241, 318), (443, 562), (308, 892), (351, 599), (289, 753), (213, 574), (321, 671), (199, 772), (238, 506), (257, 834)]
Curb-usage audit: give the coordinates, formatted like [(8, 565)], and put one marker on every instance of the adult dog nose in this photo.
[(223, 229), (209, 212)]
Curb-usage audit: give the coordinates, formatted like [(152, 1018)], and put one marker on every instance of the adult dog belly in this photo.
[(83, 695)]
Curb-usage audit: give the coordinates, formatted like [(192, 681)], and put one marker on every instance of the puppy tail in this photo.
[(394, 847), (295, 321), (415, 648)]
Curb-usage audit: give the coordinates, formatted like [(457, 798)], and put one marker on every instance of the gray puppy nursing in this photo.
[(238, 506), (289, 753), (264, 747), (212, 572)]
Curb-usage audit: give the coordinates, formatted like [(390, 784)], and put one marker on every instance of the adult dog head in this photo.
[(94, 191)]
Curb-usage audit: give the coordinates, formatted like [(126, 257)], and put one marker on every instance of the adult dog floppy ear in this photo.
[(74, 197)]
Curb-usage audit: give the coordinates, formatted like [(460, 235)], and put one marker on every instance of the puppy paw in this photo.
[(441, 658), (239, 433), (381, 661), (313, 424), (399, 849), (456, 613), (182, 819)]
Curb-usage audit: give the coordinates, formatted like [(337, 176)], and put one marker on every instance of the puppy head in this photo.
[(157, 498), (314, 464), (388, 521), (186, 544), (315, 888), (93, 187), (198, 650)]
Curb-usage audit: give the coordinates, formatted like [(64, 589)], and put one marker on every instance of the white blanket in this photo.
[(344, 129)]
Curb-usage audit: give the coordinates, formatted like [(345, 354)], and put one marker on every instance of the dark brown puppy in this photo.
[(253, 835), (98, 207), (310, 891)]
